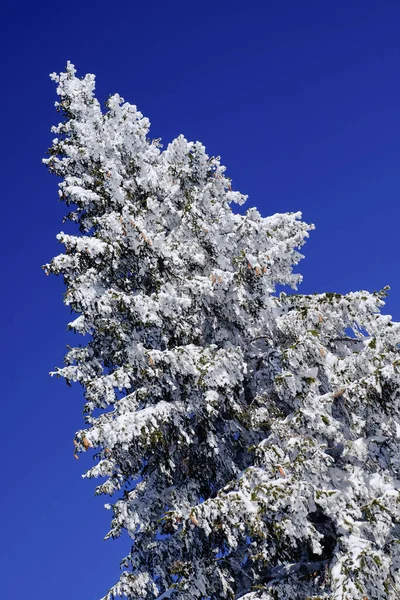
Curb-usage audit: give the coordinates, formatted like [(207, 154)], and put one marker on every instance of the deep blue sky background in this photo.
[(301, 100)]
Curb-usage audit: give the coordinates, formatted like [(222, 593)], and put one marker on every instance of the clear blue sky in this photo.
[(301, 100)]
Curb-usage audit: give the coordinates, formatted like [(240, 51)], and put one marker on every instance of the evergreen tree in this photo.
[(252, 437)]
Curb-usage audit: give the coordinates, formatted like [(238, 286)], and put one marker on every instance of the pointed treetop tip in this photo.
[(70, 68)]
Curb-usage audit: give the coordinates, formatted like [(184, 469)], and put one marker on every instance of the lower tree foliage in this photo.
[(251, 439)]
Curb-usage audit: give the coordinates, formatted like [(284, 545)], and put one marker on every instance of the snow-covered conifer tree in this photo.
[(250, 438)]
